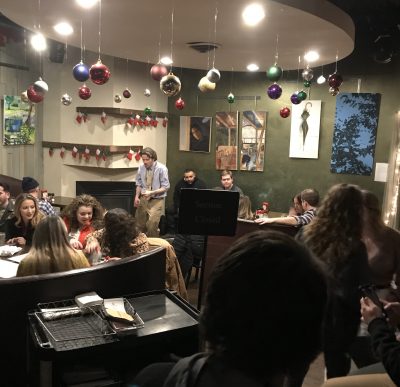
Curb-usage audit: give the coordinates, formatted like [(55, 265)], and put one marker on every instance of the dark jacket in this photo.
[(5, 214), (198, 184), (13, 231)]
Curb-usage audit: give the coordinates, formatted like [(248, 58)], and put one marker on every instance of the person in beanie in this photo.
[(31, 186)]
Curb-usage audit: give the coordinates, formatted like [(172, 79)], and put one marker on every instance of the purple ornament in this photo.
[(274, 91), (335, 80), (80, 72), (295, 99)]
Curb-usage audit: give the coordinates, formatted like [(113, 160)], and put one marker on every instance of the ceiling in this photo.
[(143, 31)]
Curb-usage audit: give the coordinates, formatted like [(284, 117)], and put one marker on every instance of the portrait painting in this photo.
[(354, 133), (253, 126), (19, 121), (304, 130), (195, 134), (226, 139)]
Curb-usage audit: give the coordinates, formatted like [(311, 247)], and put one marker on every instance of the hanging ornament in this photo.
[(147, 93), (284, 112), (137, 155), (321, 79), (99, 73), (129, 155), (180, 103), (33, 95), (117, 98), (158, 71), (333, 91), (81, 72), (74, 152), (103, 117), (127, 93), (51, 152), (165, 122), (66, 99), (84, 92), (86, 154), (302, 95), (335, 80), (62, 152), (170, 85), (147, 111), (295, 98), (274, 73), (307, 73), (230, 98), (307, 83), (274, 91), (98, 154), (205, 85), (24, 96), (40, 86), (213, 75)]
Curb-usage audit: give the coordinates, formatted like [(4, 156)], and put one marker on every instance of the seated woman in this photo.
[(296, 209), (119, 238), (244, 211), (21, 227), (51, 251), (82, 216)]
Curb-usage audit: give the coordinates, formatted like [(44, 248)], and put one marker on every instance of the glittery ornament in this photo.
[(295, 98), (99, 73), (284, 112), (205, 85), (147, 93), (180, 103), (307, 74), (117, 98), (274, 73), (24, 96), (66, 99), (333, 91), (126, 93), (81, 72), (213, 75), (84, 92), (158, 71), (274, 91), (33, 95), (335, 80), (230, 98), (307, 83), (170, 85), (302, 95), (40, 86), (147, 110)]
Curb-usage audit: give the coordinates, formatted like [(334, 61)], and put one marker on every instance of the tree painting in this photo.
[(354, 136)]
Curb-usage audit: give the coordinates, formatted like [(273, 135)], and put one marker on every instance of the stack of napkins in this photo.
[(91, 299)]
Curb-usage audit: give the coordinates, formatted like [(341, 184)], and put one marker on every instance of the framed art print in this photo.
[(195, 134), (226, 140)]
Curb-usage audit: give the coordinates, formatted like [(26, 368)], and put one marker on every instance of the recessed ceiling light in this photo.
[(253, 14), (63, 28), (252, 67), (166, 60), (38, 42), (311, 56), (86, 3)]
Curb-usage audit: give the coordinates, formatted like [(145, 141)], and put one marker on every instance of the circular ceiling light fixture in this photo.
[(311, 56), (166, 60), (86, 3), (252, 67), (253, 14), (38, 42), (63, 28)]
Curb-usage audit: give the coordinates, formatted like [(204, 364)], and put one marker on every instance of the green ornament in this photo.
[(307, 83), (147, 111), (230, 98), (274, 73), (302, 95)]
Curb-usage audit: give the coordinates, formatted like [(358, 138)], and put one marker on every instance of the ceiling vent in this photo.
[(203, 47)]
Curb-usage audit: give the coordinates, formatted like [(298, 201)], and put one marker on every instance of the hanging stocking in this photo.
[(103, 117), (62, 152), (165, 122), (74, 152)]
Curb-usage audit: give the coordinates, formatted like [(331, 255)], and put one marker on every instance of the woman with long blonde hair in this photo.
[(51, 251)]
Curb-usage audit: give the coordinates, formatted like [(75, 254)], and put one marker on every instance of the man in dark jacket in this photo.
[(6, 205)]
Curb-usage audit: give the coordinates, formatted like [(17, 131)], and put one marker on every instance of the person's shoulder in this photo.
[(200, 184)]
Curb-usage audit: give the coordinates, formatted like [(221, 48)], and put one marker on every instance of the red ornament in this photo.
[(158, 71), (284, 112), (335, 80), (126, 93), (84, 92), (33, 95), (180, 103), (99, 73)]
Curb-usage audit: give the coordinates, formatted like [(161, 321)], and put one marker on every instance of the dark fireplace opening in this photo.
[(111, 194)]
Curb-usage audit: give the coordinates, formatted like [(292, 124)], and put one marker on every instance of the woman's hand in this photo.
[(76, 244), (92, 245), (369, 310), (18, 241)]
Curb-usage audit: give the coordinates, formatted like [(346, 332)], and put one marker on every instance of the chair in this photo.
[(197, 266)]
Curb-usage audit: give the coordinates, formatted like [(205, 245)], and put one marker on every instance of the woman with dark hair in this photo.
[(259, 289), (244, 210), (82, 216), (334, 237), (296, 208), (51, 251), (120, 236), (21, 227)]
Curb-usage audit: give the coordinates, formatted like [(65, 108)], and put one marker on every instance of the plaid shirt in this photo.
[(46, 207), (306, 218)]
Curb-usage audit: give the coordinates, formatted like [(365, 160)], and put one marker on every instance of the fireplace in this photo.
[(111, 194)]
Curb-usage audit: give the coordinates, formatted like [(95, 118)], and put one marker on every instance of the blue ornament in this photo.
[(274, 91), (81, 72)]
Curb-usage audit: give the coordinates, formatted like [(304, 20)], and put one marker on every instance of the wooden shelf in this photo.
[(109, 149), (116, 111)]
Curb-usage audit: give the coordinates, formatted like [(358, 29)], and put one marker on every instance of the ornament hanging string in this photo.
[(99, 28), (81, 42), (276, 50), (159, 44), (172, 34), (298, 73), (215, 32), (337, 57)]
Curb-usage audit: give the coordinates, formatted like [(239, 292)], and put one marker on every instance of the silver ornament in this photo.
[(205, 85), (66, 99), (213, 75), (147, 93), (333, 91), (307, 74), (41, 86), (170, 85), (117, 98)]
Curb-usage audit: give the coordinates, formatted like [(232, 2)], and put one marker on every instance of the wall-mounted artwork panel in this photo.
[(195, 134), (226, 138)]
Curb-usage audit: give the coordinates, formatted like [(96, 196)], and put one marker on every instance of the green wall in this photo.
[(283, 176)]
